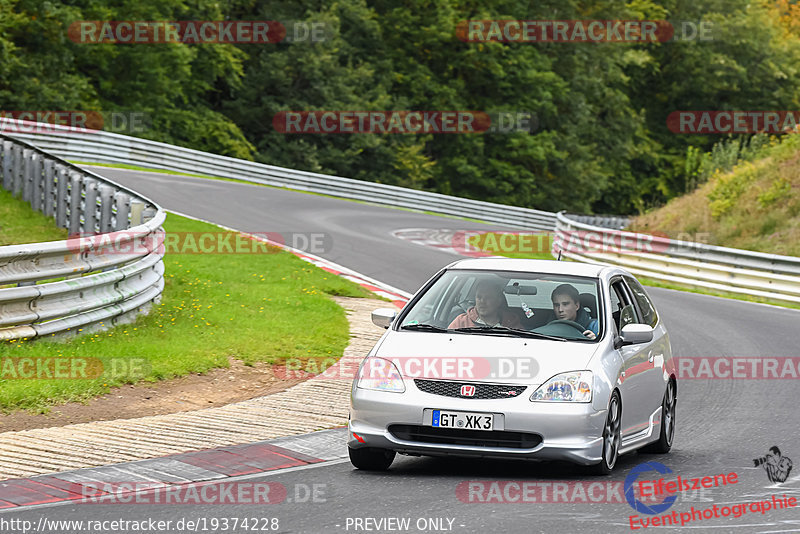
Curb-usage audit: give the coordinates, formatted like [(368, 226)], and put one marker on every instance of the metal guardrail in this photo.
[(606, 221), (106, 147), (701, 266), (693, 264), (63, 286)]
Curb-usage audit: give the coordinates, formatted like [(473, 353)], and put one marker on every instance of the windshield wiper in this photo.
[(506, 330), (425, 327)]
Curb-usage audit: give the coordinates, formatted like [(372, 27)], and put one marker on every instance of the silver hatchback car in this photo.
[(514, 358)]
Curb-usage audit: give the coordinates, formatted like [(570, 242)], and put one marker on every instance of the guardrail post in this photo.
[(89, 206), (62, 198), (137, 210), (37, 181), (8, 165), (106, 203), (148, 214), (123, 202), (74, 214), (19, 170), (48, 199), (27, 175)]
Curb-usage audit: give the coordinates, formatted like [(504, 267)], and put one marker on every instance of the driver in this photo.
[(567, 307), (489, 309)]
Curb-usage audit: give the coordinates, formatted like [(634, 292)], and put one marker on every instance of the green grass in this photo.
[(253, 307), (20, 224)]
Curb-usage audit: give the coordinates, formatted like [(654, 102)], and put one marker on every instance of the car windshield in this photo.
[(508, 303)]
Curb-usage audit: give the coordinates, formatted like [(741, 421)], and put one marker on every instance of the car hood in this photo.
[(483, 358)]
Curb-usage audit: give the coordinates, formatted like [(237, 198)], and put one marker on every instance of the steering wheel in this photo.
[(577, 326)]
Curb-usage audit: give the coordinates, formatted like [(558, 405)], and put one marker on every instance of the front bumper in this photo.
[(568, 431)]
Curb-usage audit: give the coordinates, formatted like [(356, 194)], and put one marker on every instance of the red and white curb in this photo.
[(177, 475), (445, 240)]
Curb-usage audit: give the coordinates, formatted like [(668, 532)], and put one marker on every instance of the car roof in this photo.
[(527, 265)]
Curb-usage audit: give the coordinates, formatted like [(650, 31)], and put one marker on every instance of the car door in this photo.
[(633, 380), (658, 349)]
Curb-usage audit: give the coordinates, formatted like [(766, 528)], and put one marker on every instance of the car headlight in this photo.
[(380, 374), (575, 386)]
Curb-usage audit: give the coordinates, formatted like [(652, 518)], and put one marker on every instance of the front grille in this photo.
[(450, 388), (470, 438)]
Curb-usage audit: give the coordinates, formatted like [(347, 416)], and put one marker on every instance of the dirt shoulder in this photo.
[(218, 387), (181, 417)]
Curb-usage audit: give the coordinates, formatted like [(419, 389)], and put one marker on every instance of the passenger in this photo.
[(567, 307), (489, 310)]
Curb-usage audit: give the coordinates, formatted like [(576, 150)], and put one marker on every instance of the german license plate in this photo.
[(462, 420)]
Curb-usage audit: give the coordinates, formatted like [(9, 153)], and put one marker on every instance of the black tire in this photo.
[(371, 459), (611, 437), (667, 434)]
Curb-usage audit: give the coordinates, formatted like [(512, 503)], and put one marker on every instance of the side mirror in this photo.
[(633, 334), (383, 317)]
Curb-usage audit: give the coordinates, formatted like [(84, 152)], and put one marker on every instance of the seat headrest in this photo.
[(588, 300)]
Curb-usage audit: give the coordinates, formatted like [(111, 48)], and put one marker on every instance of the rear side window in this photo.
[(621, 309), (649, 315)]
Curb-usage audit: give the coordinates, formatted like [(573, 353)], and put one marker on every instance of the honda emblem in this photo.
[(467, 390)]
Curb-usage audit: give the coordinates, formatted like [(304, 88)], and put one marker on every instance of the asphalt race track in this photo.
[(722, 424), (359, 232)]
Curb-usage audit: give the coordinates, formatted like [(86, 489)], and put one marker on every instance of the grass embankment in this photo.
[(756, 206), (260, 307), (20, 224)]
